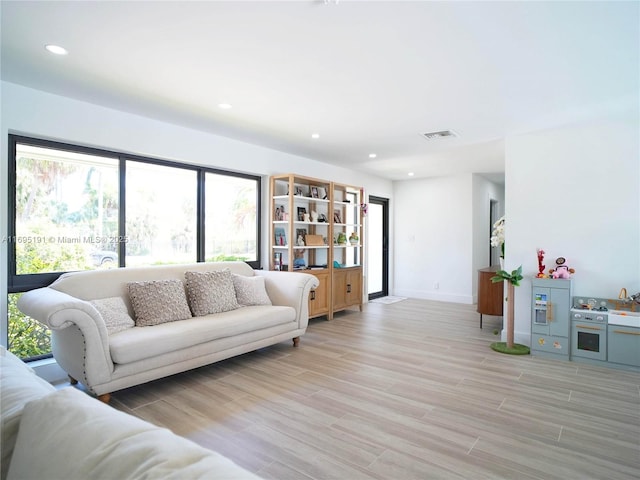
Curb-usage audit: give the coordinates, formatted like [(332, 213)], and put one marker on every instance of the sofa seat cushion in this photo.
[(140, 343), (69, 435)]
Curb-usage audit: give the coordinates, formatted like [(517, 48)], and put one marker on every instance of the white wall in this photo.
[(433, 238), (574, 192), (36, 113)]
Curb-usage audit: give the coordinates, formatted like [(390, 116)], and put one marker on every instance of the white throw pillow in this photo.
[(114, 313), (210, 292), (250, 290), (158, 301)]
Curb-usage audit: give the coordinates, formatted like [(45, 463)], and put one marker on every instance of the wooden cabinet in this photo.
[(317, 227), (320, 298), (490, 295), (347, 287)]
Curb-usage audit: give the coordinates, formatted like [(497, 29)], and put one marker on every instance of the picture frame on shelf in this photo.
[(337, 216), (301, 235), (314, 191), (298, 191), (280, 236), (302, 211), (322, 193), (279, 214)]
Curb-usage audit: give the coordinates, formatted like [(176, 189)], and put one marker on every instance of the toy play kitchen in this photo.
[(595, 330)]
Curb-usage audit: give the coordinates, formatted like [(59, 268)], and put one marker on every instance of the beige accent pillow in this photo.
[(250, 290), (114, 313), (210, 292), (158, 301)]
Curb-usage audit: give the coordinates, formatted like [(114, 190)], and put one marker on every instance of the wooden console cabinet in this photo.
[(490, 295)]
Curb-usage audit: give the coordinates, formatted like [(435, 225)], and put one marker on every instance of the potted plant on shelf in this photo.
[(513, 280)]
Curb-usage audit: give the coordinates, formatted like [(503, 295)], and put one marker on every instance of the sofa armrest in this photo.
[(290, 289), (66, 315)]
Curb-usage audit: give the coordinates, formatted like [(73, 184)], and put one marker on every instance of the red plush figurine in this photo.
[(561, 270), (540, 265)]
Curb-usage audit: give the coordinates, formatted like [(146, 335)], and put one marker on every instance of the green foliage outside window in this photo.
[(27, 337)]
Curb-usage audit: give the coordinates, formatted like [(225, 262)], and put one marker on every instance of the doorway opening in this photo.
[(378, 247)]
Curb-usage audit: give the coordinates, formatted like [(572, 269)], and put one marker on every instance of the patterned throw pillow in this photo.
[(210, 292), (114, 313), (250, 290), (158, 301)]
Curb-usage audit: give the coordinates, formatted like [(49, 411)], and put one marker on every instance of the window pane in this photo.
[(28, 338), (161, 214), (230, 218), (66, 210)]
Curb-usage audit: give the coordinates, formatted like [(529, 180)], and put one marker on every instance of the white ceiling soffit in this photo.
[(369, 77)]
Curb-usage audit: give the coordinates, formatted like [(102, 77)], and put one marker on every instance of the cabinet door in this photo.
[(339, 289), (559, 325), (624, 345), (354, 287), (319, 298)]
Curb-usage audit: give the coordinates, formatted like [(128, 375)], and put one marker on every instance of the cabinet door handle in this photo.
[(588, 327), (550, 312), (348, 288), (313, 294), (626, 333)]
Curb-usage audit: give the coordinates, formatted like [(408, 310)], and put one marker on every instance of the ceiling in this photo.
[(368, 77)]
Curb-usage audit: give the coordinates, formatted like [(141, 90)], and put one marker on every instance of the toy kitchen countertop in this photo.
[(614, 312)]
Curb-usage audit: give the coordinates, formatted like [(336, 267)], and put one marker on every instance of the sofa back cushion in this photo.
[(94, 284)]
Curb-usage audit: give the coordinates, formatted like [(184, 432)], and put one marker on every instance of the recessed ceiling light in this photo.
[(58, 50), (372, 155), (315, 135), (224, 106), (410, 174)]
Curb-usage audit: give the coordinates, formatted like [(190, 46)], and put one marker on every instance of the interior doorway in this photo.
[(378, 247)]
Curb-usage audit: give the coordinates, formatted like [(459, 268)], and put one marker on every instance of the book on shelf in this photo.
[(280, 236)]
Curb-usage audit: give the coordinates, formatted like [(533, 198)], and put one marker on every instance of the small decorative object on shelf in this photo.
[(541, 267), (299, 262), (354, 239), (562, 270), (342, 239)]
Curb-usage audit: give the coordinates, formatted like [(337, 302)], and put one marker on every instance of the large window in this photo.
[(77, 208)]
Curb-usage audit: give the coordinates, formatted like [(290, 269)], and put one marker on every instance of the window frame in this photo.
[(18, 283)]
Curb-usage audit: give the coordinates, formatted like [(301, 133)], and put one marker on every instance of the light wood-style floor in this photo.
[(402, 391)]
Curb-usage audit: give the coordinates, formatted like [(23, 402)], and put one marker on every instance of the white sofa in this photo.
[(106, 362), (66, 434)]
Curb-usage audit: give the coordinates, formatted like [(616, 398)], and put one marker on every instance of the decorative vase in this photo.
[(501, 263), (342, 239), (353, 239)]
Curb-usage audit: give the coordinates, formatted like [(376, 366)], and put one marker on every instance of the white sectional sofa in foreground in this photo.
[(113, 329), (66, 434)]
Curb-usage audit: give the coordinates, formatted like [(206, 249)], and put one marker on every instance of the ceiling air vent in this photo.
[(441, 134)]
